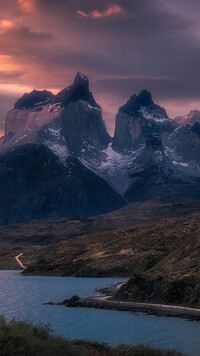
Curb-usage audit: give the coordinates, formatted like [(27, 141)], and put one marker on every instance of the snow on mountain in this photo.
[(52, 136), (152, 115), (70, 124), (112, 166)]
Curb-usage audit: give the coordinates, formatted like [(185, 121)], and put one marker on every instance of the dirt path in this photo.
[(19, 262)]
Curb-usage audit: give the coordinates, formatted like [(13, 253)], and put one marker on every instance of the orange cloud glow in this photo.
[(6, 25), (9, 65), (111, 10), (6, 62), (27, 6)]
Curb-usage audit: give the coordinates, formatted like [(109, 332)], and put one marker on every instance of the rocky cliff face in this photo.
[(83, 128), (35, 185), (154, 175), (41, 176), (72, 116), (184, 148), (137, 119), (78, 91)]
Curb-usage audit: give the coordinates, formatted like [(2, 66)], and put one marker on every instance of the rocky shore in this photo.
[(107, 302)]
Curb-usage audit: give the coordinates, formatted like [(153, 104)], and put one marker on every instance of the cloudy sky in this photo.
[(122, 45)]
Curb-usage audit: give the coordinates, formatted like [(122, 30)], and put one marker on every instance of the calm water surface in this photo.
[(23, 298)]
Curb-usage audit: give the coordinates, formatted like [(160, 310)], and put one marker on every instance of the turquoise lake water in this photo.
[(24, 298)]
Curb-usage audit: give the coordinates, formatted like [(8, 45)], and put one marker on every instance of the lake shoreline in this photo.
[(104, 302), (24, 298)]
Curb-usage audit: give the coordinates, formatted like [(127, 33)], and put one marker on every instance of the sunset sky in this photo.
[(122, 45)]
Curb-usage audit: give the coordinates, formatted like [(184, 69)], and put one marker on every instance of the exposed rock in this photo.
[(83, 129), (79, 90), (137, 119), (25, 122), (34, 99), (154, 175), (184, 144), (68, 123)]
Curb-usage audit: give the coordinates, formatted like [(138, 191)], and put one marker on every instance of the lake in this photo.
[(24, 298)]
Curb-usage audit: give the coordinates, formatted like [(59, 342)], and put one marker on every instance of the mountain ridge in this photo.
[(148, 157)]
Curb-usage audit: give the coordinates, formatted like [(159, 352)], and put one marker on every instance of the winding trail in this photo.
[(19, 262)]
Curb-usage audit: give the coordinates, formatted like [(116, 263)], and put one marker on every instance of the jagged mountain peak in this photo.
[(40, 116), (33, 99), (79, 90), (145, 98), (81, 79), (138, 103), (137, 119)]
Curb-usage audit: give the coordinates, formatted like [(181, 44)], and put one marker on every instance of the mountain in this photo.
[(184, 148), (189, 119), (35, 185), (68, 123), (57, 158), (46, 136), (153, 175), (137, 119)]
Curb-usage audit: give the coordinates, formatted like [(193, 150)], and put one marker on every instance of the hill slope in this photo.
[(155, 243)]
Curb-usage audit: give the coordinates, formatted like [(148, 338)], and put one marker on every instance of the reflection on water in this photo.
[(23, 297)]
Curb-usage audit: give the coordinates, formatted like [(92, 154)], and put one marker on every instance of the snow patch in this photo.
[(90, 107), (55, 132), (56, 142), (183, 164), (59, 150), (151, 115), (21, 138)]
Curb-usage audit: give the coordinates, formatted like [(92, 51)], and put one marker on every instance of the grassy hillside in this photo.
[(30, 238), (159, 252), (162, 257)]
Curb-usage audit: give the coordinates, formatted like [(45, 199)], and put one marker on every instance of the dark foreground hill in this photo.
[(21, 338)]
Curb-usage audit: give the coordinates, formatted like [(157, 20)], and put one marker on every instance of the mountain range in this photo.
[(57, 158)]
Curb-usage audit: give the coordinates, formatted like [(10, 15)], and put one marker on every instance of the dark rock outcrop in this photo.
[(137, 119), (77, 91), (83, 129), (34, 99)]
